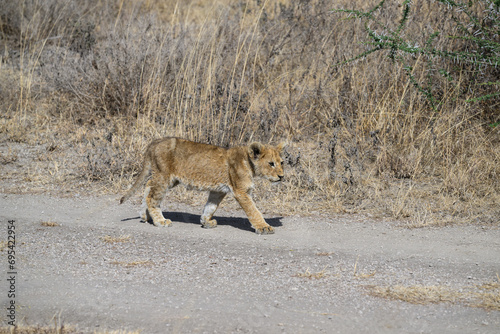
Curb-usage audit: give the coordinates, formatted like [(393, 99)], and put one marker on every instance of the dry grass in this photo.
[(8, 158), (361, 275), (325, 254), (111, 240), (133, 263), (23, 329), (486, 296), (87, 85), (317, 275), (49, 224), (3, 245)]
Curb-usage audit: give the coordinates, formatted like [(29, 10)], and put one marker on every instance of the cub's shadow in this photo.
[(236, 222)]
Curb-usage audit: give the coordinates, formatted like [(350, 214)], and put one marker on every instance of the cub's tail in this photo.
[(146, 169)]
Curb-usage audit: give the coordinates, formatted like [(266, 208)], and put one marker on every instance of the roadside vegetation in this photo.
[(403, 132), (485, 296)]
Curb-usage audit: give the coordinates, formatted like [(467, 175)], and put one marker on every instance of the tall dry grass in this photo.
[(85, 86)]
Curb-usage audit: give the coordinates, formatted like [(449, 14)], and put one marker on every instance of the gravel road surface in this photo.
[(101, 268)]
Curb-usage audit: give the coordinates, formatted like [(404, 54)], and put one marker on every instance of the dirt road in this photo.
[(101, 268)]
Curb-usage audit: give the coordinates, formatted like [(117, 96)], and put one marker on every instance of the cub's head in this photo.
[(267, 161)]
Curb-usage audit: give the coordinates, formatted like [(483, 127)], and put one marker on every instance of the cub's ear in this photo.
[(255, 150), (281, 146)]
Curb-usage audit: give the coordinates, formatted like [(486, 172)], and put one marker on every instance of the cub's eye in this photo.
[(271, 164)]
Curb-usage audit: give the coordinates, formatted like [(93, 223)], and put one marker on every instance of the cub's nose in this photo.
[(280, 177)]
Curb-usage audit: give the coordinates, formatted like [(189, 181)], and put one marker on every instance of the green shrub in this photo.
[(463, 49)]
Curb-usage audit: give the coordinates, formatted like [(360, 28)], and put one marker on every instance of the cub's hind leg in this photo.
[(144, 213), (155, 191), (214, 199)]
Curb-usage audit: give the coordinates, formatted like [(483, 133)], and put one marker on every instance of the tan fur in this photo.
[(172, 161)]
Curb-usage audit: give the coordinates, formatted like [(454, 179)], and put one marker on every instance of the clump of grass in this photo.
[(325, 254), (112, 240), (365, 275), (317, 275), (357, 274), (26, 329), (3, 245), (485, 296), (418, 294), (49, 224), (8, 158), (133, 263)]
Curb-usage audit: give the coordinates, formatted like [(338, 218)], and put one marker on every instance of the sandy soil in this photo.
[(101, 268)]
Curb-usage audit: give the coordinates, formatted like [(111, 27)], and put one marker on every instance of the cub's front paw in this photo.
[(164, 222), (264, 230)]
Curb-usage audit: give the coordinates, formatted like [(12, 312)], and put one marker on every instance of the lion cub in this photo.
[(172, 161)]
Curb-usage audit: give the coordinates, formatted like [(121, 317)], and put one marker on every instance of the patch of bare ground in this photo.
[(102, 268), (56, 329)]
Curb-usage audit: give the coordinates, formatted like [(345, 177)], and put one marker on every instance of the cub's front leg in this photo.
[(253, 214)]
